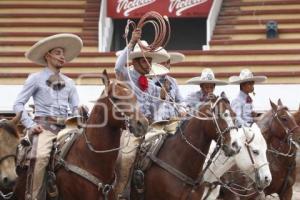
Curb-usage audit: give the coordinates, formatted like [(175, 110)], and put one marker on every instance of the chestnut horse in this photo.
[(174, 173), (9, 140), (281, 133), (95, 151)]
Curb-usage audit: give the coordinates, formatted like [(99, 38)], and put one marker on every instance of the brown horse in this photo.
[(96, 150), (281, 132), (174, 173), (9, 140)]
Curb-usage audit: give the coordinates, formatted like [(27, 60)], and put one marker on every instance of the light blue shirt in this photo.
[(148, 105), (168, 110), (242, 109), (195, 100), (47, 101)]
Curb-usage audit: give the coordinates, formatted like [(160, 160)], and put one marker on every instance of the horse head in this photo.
[(283, 124), (252, 158), (220, 112), (123, 107), (9, 140)]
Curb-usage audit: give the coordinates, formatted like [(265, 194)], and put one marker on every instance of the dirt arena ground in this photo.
[(296, 194)]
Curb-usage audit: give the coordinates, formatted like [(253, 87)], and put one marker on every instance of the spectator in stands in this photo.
[(53, 94), (242, 105), (207, 82)]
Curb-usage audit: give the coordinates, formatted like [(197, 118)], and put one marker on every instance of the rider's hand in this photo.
[(182, 114), (163, 93), (211, 96), (36, 129), (167, 85), (136, 35)]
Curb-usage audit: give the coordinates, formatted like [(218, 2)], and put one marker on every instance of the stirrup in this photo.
[(138, 180)]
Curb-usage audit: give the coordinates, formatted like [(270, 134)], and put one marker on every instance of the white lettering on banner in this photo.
[(129, 6), (182, 5)]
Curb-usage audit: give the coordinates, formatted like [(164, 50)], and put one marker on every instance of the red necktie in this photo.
[(143, 82), (248, 99)]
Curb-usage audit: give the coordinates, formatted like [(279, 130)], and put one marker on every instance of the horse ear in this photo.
[(223, 95), (274, 106), (105, 78), (17, 118), (279, 102)]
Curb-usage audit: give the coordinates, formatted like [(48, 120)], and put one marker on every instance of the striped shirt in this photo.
[(47, 101)]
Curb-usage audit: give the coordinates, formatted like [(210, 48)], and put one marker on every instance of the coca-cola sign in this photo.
[(170, 8)]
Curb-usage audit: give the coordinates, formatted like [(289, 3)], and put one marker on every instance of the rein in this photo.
[(88, 142), (104, 188), (180, 175), (256, 168)]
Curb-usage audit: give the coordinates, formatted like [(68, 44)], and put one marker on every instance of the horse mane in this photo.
[(181, 126), (9, 127), (297, 116), (263, 121)]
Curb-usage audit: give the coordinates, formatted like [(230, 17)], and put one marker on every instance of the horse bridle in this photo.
[(288, 137), (288, 131), (219, 131), (256, 168)]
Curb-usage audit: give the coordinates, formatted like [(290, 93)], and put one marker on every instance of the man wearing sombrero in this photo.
[(242, 105), (148, 94), (207, 83), (53, 94), (168, 110), (146, 91)]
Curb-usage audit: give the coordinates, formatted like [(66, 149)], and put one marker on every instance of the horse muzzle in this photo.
[(262, 181)]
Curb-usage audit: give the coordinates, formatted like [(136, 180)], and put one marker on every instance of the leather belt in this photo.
[(51, 120)]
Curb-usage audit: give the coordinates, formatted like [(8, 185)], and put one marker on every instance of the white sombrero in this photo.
[(207, 76), (71, 44), (157, 70), (245, 76), (157, 56), (176, 57)]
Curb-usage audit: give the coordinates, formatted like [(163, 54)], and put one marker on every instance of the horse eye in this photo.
[(284, 118), (226, 114), (255, 152)]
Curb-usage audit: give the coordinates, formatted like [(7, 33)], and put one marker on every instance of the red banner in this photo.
[(170, 8)]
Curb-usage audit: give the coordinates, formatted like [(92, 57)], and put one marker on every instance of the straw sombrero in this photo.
[(176, 57), (157, 56), (245, 76), (71, 44), (207, 76), (157, 70)]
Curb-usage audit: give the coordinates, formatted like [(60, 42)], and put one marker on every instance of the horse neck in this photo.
[(102, 138), (177, 150), (219, 166), (264, 124), (297, 117)]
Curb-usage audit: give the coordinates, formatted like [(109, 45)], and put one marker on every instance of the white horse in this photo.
[(251, 159)]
